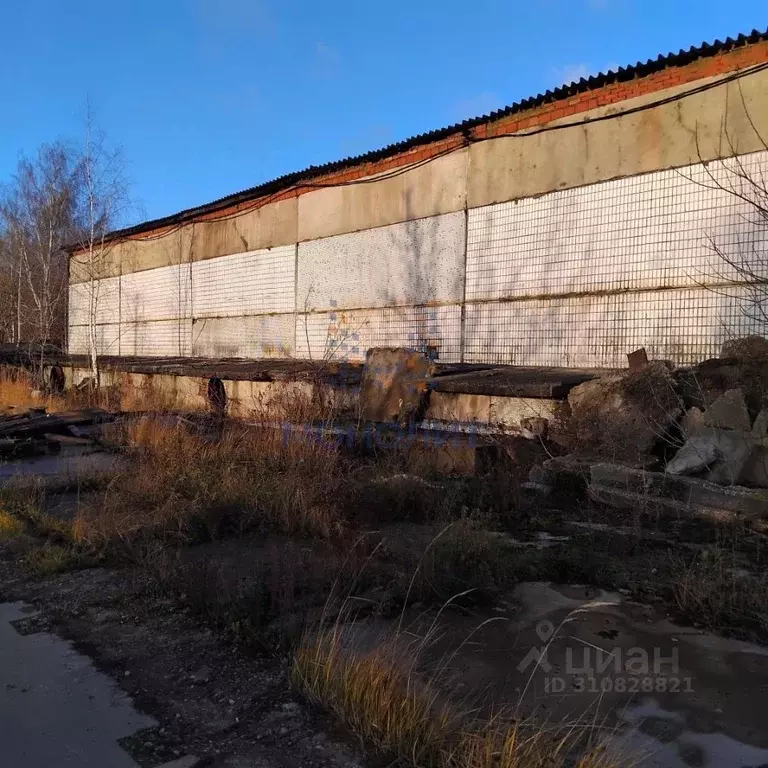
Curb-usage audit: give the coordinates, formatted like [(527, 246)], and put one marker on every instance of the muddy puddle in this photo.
[(671, 696)]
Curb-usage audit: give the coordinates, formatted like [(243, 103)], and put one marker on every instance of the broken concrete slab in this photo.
[(511, 380), (633, 488), (729, 411), (698, 453), (394, 384), (735, 450), (745, 348), (702, 384), (725, 452), (623, 416)]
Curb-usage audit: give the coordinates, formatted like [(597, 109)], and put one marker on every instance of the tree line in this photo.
[(64, 194)]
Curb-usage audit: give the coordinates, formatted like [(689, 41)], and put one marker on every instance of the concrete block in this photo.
[(698, 453), (755, 470), (394, 384), (637, 359), (735, 450), (726, 451), (624, 415), (685, 494), (458, 407), (729, 411)]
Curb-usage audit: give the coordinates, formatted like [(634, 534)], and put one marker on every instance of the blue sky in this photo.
[(207, 97)]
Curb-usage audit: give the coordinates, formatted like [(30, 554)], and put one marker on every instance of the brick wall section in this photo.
[(557, 109)]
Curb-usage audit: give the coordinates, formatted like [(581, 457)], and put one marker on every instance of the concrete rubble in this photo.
[(724, 443), (623, 415), (693, 440)]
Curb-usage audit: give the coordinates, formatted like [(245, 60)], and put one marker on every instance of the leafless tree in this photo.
[(7, 291), (739, 243), (104, 202), (38, 212)]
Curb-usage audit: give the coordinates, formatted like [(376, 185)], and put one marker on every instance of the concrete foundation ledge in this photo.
[(629, 487)]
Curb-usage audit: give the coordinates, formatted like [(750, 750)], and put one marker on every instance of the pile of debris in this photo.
[(693, 439), (36, 432), (723, 444)]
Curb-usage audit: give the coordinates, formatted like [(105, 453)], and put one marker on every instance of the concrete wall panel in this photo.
[(253, 336), (429, 190), (414, 262), (650, 231), (701, 125), (683, 325), (107, 339), (162, 338), (156, 294), (246, 283), (272, 225), (346, 335), (132, 256), (106, 301)]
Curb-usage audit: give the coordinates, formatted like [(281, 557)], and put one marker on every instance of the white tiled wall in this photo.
[(644, 232), (155, 294), (166, 338), (577, 277), (251, 283), (253, 336), (348, 334), (684, 325), (107, 339), (106, 301), (412, 263)]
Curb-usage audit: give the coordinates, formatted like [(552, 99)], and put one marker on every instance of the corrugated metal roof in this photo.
[(622, 74)]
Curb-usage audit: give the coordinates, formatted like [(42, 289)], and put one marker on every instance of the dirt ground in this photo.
[(211, 699), (201, 632)]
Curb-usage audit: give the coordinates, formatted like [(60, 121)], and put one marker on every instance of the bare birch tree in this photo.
[(104, 203)]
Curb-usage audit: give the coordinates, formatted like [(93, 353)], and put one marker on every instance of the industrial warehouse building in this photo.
[(566, 230)]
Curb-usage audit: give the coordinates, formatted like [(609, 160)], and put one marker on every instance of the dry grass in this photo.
[(381, 698), (462, 559), (713, 590), (16, 392), (51, 559), (187, 487), (10, 525)]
